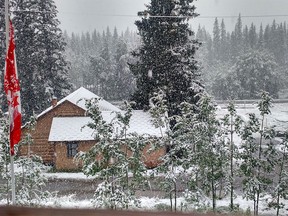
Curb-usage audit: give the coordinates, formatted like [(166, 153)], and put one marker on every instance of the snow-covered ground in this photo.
[(278, 117), (147, 204)]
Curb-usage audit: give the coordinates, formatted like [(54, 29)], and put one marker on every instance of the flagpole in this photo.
[(7, 22), (11, 156), (12, 179)]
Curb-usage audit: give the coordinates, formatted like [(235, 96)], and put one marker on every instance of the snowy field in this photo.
[(150, 204), (278, 116)]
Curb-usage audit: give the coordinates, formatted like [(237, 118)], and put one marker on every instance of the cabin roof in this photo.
[(74, 129), (78, 98)]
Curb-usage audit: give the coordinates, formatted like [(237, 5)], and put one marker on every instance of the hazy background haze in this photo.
[(86, 15)]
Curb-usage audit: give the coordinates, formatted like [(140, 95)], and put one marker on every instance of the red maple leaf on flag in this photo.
[(12, 90)]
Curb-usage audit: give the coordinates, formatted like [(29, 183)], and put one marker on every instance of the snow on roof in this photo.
[(72, 128), (78, 98)]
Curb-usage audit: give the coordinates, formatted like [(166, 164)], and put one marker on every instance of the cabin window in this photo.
[(72, 149)]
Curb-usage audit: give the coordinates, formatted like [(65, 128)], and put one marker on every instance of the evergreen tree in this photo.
[(216, 40), (252, 36), (256, 72), (246, 43), (124, 82), (239, 35), (266, 36), (165, 58), (224, 85), (40, 54), (260, 44), (95, 80), (271, 40), (115, 39), (279, 45), (96, 41), (233, 47), (2, 52), (224, 48), (100, 63), (77, 64)]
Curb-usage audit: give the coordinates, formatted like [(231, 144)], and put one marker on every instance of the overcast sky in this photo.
[(86, 15)]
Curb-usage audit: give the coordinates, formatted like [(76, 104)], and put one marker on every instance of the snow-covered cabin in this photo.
[(59, 132)]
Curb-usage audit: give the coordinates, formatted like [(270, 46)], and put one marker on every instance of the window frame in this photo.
[(72, 149)]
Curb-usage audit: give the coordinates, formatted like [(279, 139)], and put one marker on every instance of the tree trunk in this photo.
[(175, 196), (213, 190), (259, 167), (280, 180), (231, 166)]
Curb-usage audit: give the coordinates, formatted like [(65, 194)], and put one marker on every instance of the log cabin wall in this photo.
[(62, 161), (41, 146)]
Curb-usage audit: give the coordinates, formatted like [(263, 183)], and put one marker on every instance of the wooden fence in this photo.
[(20, 211)]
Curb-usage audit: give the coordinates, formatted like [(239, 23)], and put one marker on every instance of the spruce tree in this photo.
[(216, 40), (260, 44), (256, 72), (165, 58), (246, 38), (124, 81), (252, 36), (40, 54), (239, 35), (2, 51), (224, 48)]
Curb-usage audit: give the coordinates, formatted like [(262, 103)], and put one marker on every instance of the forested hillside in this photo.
[(234, 65), (99, 62), (241, 63)]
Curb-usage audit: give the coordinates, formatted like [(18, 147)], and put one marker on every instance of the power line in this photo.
[(200, 16), (194, 17), (28, 11), (151, 16), (244, 16)]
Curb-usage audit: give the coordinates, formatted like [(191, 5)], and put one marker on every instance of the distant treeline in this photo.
[(239, 64), (235, 65), (98, 61)]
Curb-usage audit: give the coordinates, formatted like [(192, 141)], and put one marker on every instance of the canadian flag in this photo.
[(12, 90)]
